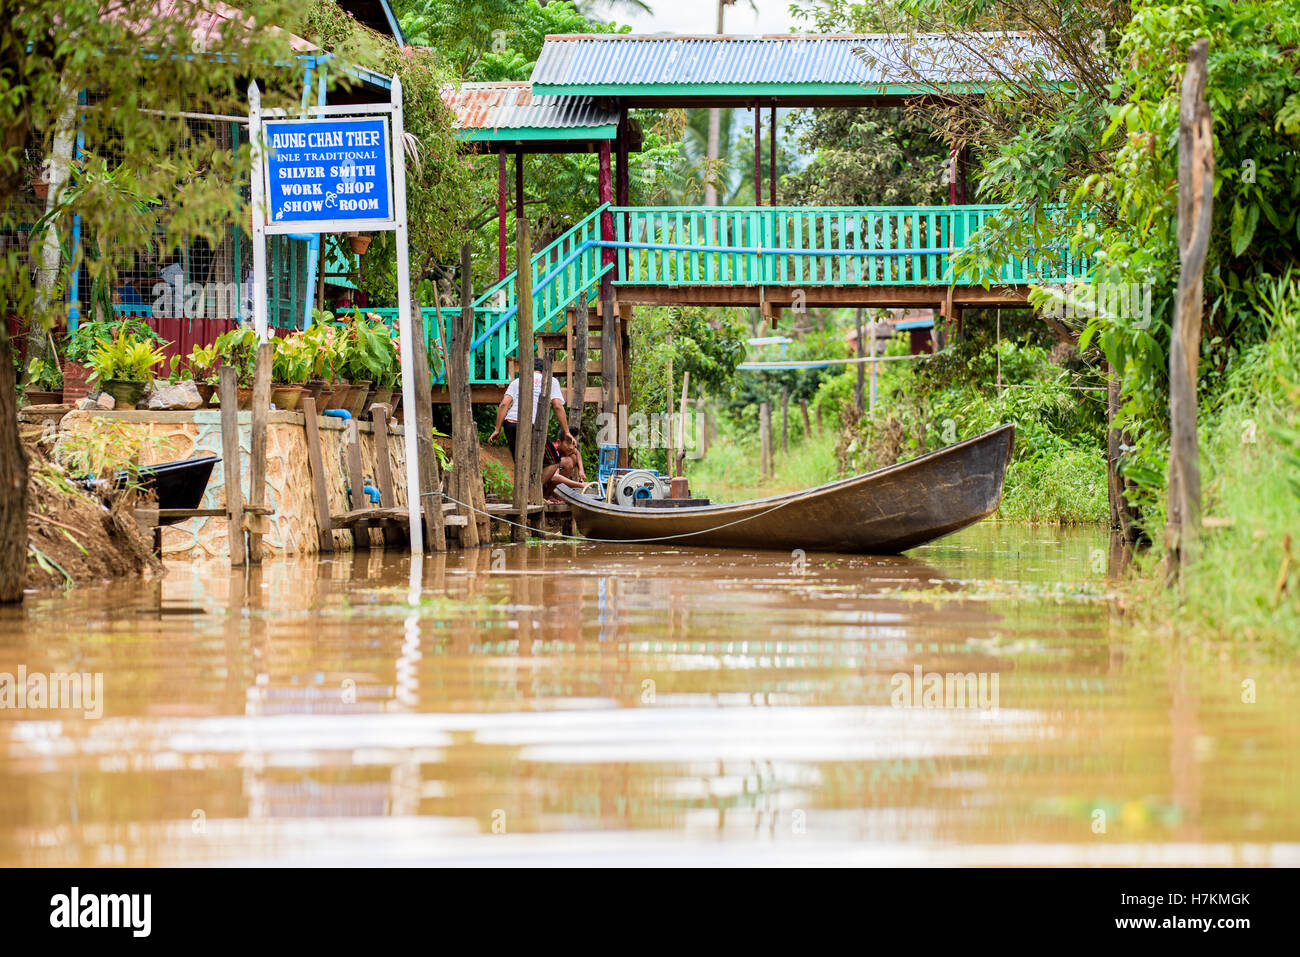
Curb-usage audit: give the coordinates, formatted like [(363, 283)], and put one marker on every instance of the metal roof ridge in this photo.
[(715, 37)]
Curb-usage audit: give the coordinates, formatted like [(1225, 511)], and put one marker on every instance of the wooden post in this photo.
[(523, 443), (384, 470), (672, 458), (703, 410), (858, 388), (502, 207), (807, 426), (325, 532), (421, 419), (819, 420), (608, 352), (258, 524), (356, 482), (681, 425), (230, 462), (465, 474), (1195, 206), (765, 438), (578, 380), (785, 420), (871, 333), (536, 455)]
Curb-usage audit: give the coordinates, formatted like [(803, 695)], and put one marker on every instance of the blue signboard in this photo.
[(333, 171)]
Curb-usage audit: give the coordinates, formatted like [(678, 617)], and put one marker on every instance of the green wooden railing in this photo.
[(765, 245)]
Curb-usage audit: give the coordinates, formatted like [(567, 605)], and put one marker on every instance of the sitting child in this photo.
[(562, 465)]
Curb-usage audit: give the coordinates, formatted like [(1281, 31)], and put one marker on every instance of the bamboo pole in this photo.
[(681, 420), (765, 438)]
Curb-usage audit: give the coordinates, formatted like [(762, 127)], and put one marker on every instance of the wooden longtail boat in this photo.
[(882, 512)]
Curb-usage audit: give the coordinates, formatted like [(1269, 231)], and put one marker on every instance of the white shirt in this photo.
[(512, 390)]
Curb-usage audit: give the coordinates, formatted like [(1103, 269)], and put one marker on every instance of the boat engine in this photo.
[(636, 485)]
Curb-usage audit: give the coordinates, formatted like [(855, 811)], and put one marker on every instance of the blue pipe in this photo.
[(338, 414)]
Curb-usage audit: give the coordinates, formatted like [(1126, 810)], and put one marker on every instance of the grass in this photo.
[(1242, 588), (1065, 488), (730, 472)]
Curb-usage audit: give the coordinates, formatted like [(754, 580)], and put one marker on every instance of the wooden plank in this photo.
[(257, 448), (320, 491), (230, 461)]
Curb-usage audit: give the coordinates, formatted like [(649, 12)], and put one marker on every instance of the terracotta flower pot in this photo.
[(337, 395), (42, 397), (41, 187), (76, 384), (381, 397), (313, 388), (125, 392), (206, 390), (244, 397), (286, 397), (359, 244), (357, 398)]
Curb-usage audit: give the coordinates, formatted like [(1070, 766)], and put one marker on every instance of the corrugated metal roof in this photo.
[(796, 60), (501, 110)]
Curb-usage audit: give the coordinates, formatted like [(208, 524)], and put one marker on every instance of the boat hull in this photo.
[(883, 512)]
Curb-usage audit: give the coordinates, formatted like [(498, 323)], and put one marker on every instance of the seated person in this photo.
[(562, 465)]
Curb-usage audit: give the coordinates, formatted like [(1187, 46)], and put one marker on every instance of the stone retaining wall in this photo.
[(170, 436)]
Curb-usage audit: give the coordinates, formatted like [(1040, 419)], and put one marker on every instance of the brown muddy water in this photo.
[(582, 704)]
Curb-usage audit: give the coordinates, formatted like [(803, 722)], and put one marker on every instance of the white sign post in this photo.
[(335, 169)]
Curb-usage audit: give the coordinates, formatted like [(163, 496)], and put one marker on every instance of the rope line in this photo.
[(632, 541)]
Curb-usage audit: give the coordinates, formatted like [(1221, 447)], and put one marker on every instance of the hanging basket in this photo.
[(359, 242)]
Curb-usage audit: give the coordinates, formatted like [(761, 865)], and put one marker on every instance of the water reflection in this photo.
[(571, 703)]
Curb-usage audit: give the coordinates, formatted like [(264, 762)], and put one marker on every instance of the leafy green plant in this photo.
[(124, 358), (238, 349), (44, 373), (83, 341), (325, 346), (291, 361), (369, 353), (496, 480)]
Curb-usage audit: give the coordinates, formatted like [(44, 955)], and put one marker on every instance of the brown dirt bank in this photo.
[(74, 537)]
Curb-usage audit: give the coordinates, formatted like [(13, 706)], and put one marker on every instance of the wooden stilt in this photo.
[(785, 420), (384, 471), (257, 524), (578, 377), (765, 438), (523, 445), (807, 426), (536, 457), (466, 479), (421, 419), (320, 490), (230, 462), (356, 482)]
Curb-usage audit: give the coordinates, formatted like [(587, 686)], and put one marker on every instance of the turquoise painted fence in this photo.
[(849, 246)]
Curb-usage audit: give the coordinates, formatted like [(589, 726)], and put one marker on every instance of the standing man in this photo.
[(508, 410)]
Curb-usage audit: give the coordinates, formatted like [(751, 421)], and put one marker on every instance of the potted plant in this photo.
[(358, 242), (44, 380), (367, 356), (325, 347), (84, 339), (123, 367), (201, 366), (238, 349), (290, 367)]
